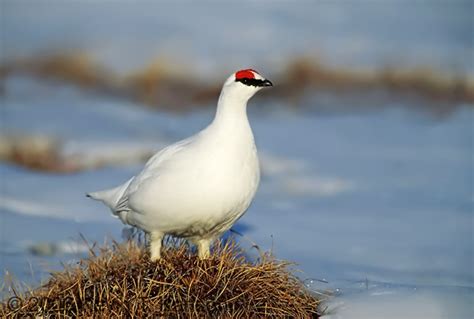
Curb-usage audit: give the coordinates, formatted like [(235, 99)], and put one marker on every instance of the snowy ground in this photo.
[(378, 204), (126, 35)]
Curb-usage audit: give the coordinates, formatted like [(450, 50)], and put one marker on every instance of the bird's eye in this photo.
[(246, 81)]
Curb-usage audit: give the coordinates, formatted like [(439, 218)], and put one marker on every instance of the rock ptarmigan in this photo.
[(196, 188)]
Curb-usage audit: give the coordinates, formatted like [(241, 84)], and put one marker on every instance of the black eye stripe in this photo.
[(251, 82)]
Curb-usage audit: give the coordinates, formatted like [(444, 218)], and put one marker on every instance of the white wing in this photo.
[(151, 169)]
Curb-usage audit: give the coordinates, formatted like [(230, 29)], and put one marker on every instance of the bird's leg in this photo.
[(203, 246), (156, 239)]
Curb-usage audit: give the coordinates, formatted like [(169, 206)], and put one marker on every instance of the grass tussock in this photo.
[(122, 282)]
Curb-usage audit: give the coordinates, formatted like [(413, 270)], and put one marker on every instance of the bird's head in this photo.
[(245, 83)]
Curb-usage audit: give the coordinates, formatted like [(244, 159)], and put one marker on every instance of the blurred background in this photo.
[(365, 140)]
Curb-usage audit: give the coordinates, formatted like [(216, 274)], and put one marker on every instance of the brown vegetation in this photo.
[(421, 81), (122, 282), (35, 152), (45, 154), (77, 68), (161, 85)]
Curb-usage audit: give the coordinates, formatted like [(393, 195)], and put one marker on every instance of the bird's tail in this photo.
[(110, 197)]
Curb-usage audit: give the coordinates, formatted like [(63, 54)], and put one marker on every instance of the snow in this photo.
[(368, 33), (409, 304)]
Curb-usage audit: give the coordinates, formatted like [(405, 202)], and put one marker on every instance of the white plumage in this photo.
[(198, 187)]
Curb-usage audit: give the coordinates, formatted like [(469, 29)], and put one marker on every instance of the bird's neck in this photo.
[(231, 112)]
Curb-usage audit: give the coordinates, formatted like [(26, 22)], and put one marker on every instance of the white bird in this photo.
[(199, 187)]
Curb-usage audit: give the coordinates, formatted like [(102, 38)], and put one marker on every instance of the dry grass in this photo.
[(122, 282), (38, 153), (164, 84), (424, 82), (46, 154), (78, 68), (171, 86)]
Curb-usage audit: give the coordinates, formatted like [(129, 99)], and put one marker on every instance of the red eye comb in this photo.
[(247, 73)]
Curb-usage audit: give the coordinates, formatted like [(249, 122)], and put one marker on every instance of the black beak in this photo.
[(266, 83)]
